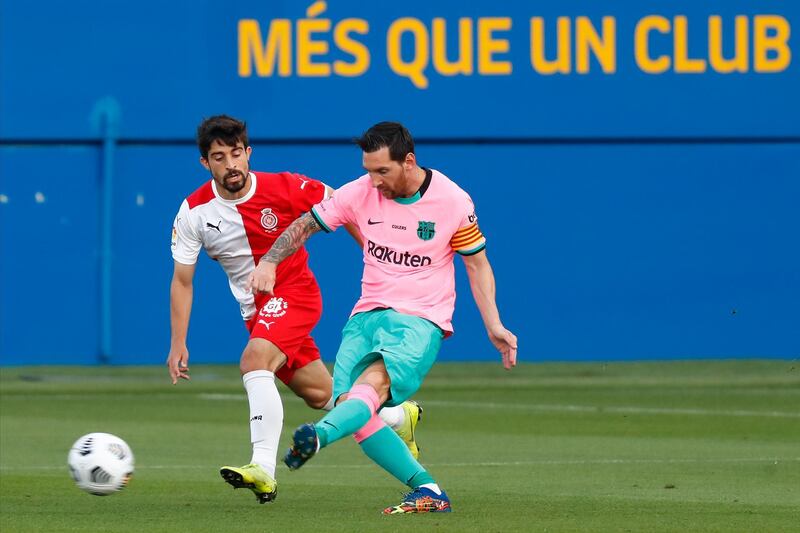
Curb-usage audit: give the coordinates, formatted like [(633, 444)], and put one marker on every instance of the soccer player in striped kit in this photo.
[(413, 221), (236, 217)]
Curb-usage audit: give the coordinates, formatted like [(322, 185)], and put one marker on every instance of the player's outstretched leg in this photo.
[(385, 447), (251, 477), (345, 419), (403, 419)]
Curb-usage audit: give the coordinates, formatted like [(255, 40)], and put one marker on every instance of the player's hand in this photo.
[(178, 363), (506, 344), (262, 279)]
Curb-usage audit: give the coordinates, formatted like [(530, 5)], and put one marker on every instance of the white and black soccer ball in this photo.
[(100, 463)]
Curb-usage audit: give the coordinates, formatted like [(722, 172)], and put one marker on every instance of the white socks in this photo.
[(434, 487), (330, 405), (266, 417), (393, 416)]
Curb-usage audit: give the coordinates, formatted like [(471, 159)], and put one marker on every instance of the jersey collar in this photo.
[(418, 195)]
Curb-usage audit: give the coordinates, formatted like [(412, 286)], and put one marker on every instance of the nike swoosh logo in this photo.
[(371, 222)]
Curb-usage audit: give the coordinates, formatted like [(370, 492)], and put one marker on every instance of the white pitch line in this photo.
[(223, 397), (570, 408), (540, 462), (611, 409)]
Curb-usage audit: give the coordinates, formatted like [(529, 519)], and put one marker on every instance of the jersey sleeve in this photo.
[(186, 243), (468, 239), (304, 192), (337, 210)]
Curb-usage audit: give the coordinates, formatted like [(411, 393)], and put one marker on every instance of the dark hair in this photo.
[(392, 135), (221, 128)]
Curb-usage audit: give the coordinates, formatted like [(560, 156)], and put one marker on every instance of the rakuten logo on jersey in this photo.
[(385, 254)]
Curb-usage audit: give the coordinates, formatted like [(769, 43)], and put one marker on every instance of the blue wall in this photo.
[(630, 215)]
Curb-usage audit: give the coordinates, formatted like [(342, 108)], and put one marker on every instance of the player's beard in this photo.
[(234, 187), (390, 193), (387, 193)]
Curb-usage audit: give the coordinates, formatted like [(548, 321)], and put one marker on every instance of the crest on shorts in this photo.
[(274, 308), (268, 219), (425, 230)]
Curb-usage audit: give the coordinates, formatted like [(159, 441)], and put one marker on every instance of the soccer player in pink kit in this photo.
[(236, 217), (413, 220)]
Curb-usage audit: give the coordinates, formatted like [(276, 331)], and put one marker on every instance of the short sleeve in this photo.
[(186, 244), (338, 209), (468, 239), (304, 191)]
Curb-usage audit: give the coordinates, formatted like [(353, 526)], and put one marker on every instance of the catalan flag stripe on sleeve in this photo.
[(468, 240)]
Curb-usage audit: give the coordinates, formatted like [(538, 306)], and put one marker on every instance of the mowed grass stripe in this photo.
[(564, 408), (620, 409)]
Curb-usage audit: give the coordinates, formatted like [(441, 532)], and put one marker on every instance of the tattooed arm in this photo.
[(262, 279), (292, 239)]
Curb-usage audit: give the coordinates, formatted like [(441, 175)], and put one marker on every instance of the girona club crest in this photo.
[(274, 308), (268, 219)]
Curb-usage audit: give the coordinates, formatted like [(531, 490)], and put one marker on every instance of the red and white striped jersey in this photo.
[(237, 233)]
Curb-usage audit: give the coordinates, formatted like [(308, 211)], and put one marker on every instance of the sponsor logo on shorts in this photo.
[(256, 417), (384, 254), (274, 308)]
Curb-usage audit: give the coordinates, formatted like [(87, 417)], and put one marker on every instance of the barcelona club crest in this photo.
[(425, 230), (268, 219)]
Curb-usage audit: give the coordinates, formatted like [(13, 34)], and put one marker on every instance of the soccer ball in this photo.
[(100, 463)]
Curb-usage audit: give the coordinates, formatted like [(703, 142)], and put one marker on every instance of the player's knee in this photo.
[(378, 382), (261, 356), (317, 398)]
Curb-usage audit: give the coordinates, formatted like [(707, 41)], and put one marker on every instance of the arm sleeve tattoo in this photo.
[(292, 238)]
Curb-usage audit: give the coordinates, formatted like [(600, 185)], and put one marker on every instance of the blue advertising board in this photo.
[(449, 69)]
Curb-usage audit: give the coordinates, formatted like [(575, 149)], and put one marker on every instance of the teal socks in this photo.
[(345, 419), (390, 453)]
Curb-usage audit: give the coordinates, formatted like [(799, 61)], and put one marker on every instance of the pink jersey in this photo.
[(237, 233), (408, 243)]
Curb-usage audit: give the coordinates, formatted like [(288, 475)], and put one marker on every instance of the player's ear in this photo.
[(248, 151), (410, 161), (204, 162)]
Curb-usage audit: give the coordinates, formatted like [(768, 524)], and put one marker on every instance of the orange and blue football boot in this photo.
[(421, 500)]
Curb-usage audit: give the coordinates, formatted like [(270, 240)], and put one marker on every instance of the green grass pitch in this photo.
[(680, 446)]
